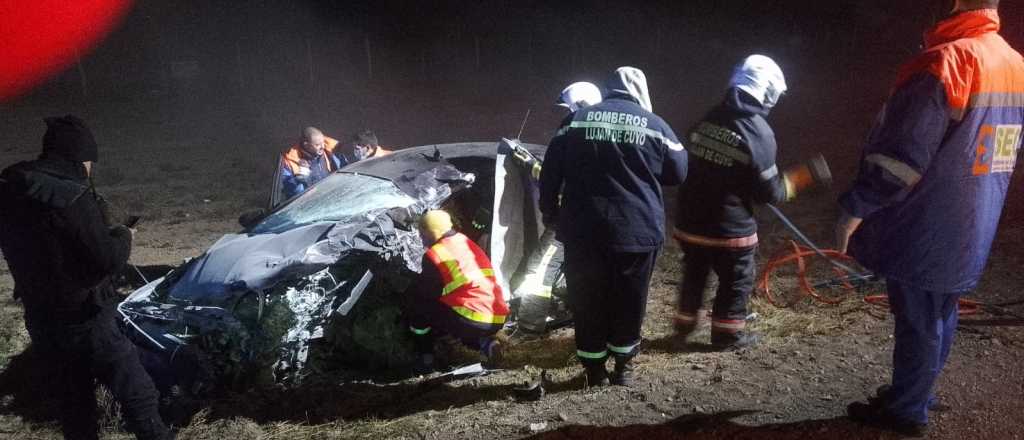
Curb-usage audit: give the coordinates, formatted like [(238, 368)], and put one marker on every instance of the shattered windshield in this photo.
[(336, 198)]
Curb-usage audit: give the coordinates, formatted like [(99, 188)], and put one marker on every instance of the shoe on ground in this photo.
[(494, 351), (684, 325), (595, 376), (424, 365), (881, 394), (876, 416), (734, 341), (624, 373)]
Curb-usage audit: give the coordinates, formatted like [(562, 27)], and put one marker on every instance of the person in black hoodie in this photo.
[(612, 159), (732, 168), (62, 253)]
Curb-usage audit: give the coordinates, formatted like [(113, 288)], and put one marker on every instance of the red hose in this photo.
[(797, 253)]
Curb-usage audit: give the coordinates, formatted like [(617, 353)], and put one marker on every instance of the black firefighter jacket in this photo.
[(732, 166), (612, 158), (56, 241)]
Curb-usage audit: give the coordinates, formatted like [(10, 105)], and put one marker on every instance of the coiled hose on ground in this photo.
[(846, 278)]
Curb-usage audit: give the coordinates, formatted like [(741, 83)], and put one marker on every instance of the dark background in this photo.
[(221, 80)]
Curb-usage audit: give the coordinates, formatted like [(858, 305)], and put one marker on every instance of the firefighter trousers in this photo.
[(925, 326), (429, 319), (608, 296), (735, 269)]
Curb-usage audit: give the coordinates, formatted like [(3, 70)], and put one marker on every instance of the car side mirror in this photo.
[(250, 218)]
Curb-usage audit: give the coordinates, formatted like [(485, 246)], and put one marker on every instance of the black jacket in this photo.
[(56, 241), (612, 158), (732, 166)]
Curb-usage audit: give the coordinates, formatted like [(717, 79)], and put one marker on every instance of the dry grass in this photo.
[(807, 318)]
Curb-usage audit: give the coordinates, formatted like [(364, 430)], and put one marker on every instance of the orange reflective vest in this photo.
[(470, 288), (293, 157)]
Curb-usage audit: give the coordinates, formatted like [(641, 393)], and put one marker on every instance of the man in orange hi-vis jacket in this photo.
[(926, 202), (307, 162), (456, 293)]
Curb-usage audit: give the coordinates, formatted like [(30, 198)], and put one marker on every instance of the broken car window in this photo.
[(334, 199)]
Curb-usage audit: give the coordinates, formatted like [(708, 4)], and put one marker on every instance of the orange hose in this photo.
[(798, 253)]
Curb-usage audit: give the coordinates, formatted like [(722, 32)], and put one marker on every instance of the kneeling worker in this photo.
[(456, 293)]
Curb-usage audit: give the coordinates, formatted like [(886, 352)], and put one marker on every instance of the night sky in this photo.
[(426, 72)]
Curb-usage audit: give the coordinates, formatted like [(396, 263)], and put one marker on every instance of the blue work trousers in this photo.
[(925, 325)]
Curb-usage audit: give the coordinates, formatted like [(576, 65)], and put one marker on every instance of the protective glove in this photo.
[(806, 175)]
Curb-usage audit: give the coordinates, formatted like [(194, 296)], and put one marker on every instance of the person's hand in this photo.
[(845, 228)]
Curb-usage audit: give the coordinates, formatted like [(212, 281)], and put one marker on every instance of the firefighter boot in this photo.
[(726, 341), (423, 345), (493, 351), (873, 414), (685, 324), (624, 374), (595, 374)]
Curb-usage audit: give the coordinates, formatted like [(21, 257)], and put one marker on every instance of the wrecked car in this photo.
[(315, 285)]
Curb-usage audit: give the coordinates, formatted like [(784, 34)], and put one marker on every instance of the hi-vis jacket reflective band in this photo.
[(728, 325), (631, 134), (700, 240), (623, 349), (419, 331), (456, 278), (905, 173), (685, 318), (591, 354), (293, 157), (534, 282), (470, 288)]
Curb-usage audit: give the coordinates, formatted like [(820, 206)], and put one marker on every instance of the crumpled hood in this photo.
[(632, 82), (762, 78)]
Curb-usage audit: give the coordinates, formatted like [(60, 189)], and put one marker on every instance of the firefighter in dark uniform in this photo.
[(612, 159), (732, 168), (456, 294), (62, 253)]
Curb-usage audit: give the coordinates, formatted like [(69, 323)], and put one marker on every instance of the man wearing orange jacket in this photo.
[(456, 293), (307, 162), (926, 202), (364, 145)]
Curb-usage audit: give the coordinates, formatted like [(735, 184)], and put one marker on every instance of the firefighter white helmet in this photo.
[(579, 95), (759, 76)]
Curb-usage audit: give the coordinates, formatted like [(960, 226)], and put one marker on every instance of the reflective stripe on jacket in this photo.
[(470, 288), (935, 171), (732, 167)]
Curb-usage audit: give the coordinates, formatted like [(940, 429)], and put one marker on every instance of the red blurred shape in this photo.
[(39, 38)]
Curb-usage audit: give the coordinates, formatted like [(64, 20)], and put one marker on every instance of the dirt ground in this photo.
[(190, 185)]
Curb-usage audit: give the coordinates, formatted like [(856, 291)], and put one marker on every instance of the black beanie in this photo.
[(69, 138)]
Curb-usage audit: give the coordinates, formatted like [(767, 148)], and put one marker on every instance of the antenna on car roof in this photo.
[(523, 126), (435, 158)]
